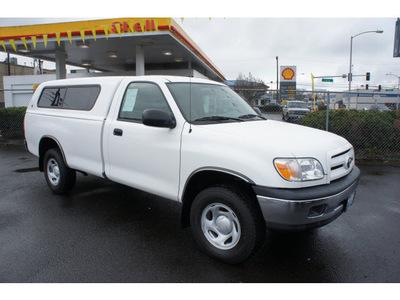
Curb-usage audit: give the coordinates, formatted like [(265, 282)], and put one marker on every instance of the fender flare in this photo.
[(43, 152), (217, 169)]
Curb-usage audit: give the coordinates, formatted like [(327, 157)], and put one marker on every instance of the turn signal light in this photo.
[(284, 170)]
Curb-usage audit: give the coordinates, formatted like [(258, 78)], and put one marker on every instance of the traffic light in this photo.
[(368, 76), (366, 86), (379, 87)]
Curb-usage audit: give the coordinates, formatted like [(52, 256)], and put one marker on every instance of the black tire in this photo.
[(227, 223), (59, 177)]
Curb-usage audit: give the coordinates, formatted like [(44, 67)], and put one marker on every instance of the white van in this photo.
[(197, 142)]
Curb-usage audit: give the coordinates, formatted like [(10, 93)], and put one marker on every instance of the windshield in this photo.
[(297, 104), (210, 103)]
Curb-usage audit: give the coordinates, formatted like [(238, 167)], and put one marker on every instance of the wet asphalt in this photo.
[(106, 232)]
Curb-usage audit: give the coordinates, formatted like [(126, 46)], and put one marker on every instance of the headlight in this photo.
[(299, 169)]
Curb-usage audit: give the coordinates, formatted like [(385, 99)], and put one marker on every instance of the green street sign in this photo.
[(327, 80), (389, 90)]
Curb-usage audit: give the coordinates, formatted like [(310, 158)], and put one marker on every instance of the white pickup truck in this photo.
[(197, 142), (294, 110)]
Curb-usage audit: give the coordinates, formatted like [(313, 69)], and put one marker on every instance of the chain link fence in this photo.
[(369, 120), (371, 125)]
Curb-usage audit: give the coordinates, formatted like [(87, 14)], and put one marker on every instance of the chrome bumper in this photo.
[(309, 207)]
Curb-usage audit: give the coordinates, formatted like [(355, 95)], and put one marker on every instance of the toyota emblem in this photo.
[(349, 161)]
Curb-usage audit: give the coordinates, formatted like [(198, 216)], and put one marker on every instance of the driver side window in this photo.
[(138, 97)]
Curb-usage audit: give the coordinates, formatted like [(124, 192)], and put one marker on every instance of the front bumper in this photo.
[(299, 209), (294, 118)]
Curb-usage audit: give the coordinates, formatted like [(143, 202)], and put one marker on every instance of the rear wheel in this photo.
[(59, 177), (227, 224)]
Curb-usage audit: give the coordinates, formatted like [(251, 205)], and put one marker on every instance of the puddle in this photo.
[(27, 170)]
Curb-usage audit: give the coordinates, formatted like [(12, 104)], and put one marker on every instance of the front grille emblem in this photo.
[(348, 163)]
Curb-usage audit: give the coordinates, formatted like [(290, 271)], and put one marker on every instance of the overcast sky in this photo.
[(318, 46), (249, 39)]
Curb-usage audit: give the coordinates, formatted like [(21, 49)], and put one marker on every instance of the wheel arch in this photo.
[(46, 143), (207, 177)]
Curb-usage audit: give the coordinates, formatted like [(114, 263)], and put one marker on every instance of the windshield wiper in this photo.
[(249, 116), (217, 118)]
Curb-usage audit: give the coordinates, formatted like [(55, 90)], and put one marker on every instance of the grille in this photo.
[(341, 163), (301, 113)]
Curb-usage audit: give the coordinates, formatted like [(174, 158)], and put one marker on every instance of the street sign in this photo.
[(389, 90), (327, 80)]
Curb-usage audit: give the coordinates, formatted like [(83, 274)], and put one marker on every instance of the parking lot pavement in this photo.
[(105, 232)]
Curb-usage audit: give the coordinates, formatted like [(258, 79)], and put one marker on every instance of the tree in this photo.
[(249, 88)]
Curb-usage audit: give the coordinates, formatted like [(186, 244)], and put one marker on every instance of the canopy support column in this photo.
[(61, 72), (139, 60)]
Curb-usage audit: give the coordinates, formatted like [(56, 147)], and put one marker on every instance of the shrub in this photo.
[(12, 122), (374, 135), (272, 108)]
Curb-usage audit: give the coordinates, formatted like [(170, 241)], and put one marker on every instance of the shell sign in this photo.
[(288, 73), (288, 82)]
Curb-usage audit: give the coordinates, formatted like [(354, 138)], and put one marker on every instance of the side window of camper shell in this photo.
[(52, 97), (72, 97)]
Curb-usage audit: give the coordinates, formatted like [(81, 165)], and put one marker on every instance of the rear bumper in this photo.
[(299, 209)]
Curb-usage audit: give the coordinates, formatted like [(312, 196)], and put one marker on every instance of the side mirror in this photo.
[(257, 110), (158, 118)]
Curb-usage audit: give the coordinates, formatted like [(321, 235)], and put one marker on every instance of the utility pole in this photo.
[(8, 64), (277, 81)]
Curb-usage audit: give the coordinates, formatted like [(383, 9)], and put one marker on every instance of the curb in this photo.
[(13, 143)]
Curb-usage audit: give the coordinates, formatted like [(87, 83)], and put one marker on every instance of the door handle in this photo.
[(118, 131)]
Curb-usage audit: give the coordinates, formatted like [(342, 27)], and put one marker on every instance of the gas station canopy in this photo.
[(116, 46)]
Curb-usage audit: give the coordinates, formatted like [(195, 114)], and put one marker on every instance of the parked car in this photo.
[(294, 110), (379, 107), (197, 142)]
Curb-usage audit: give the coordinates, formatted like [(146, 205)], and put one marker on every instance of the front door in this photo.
[(143, 157)]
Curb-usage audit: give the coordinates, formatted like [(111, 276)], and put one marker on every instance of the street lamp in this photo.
[(351, 54), (398, 77)]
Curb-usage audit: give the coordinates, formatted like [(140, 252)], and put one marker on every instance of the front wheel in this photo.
[(59, 177), (226, 223)]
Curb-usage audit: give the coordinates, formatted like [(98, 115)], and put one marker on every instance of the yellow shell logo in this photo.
[(288, 74)]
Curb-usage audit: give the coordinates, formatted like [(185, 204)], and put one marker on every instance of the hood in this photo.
[(299, 109), (280, 138)]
